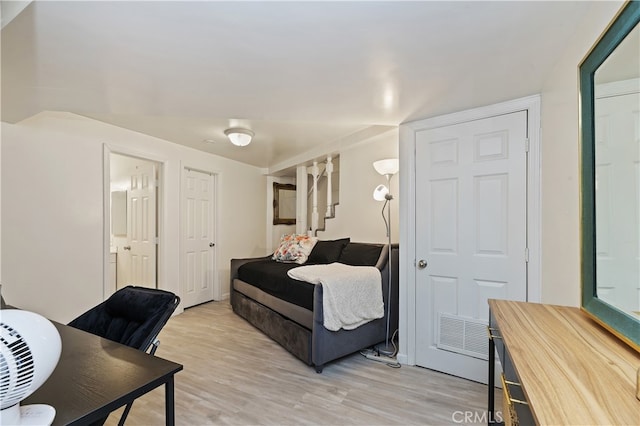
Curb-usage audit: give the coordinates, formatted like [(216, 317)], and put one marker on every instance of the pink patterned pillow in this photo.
[(294, 248)]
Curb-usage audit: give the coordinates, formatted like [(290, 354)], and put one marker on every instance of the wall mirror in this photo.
[(284, 204), (119, 213), (610, 129)]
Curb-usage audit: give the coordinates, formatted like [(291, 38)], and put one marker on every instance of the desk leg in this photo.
[(170, 412), (491, 381)]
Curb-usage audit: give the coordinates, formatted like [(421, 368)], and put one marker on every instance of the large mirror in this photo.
[(284, 204), (119, 213), (610, 125)]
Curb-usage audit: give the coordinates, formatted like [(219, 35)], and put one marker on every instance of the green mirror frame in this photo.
[(625, 326)]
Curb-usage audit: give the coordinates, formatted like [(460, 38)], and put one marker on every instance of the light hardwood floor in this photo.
[(235, 375)]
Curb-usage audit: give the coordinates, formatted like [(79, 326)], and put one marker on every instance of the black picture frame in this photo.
[(282, 216)]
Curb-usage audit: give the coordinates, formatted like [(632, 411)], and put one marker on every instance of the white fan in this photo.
[(30, 348)]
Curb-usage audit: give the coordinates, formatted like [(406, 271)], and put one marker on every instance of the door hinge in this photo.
[(156, 240), (526, 145), (526, 254)]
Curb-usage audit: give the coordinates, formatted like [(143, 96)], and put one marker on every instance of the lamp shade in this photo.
[(380, 193), (239, 136), (389, 166)]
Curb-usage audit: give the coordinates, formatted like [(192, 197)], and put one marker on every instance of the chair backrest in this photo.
[(132, 316)]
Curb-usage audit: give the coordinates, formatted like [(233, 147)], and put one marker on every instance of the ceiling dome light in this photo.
[(239, 136)]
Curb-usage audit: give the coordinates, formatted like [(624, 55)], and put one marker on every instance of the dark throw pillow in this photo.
[(355, 254), (327, 251)]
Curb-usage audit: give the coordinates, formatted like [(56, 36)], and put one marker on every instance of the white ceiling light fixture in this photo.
[(239, 136)]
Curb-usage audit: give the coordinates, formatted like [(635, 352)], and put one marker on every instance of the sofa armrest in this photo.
[(237, 263), (384, 257), (318, 314)]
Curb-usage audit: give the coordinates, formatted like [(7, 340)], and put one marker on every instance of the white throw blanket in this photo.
[(352, 295)]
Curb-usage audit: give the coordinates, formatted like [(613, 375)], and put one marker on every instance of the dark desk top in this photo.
[(96, 376)]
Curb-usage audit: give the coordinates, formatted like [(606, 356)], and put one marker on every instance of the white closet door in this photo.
[(471, 228), (141, 226), (198, 240)]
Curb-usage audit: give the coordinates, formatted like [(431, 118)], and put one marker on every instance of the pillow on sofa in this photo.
[(355, 254), (327, 251), (294, 248)]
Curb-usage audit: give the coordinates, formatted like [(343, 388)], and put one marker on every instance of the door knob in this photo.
[(212, 244), (126, 248), (422, 264)]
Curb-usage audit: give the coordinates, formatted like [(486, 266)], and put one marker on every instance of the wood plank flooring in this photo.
[(235, 375)]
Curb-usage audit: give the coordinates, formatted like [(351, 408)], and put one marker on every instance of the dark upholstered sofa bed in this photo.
[(291, 312)]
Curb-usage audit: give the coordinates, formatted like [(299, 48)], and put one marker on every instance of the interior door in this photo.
[(470, 237), (141, 226), (198, 240)]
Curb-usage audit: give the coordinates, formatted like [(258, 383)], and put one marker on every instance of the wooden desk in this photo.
[(571, 370), (96, 376)]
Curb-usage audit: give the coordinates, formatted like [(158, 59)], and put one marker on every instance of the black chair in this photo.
[(132, 316)]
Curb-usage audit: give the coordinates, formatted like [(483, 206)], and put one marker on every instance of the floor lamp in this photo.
[(387, 168)]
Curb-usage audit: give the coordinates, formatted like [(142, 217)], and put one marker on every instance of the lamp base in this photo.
[(386, 349)]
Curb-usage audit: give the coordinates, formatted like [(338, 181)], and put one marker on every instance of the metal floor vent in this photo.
[(466, 336)]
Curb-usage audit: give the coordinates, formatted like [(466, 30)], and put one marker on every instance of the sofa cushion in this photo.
[(294, 248), (356, 254), (271, 277), (327, 251)]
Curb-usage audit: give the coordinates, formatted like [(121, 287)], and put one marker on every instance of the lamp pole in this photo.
[(388, 348), (387, 168)]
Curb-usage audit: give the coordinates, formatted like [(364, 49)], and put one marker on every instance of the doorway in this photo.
[(471, 209), (199, 269), (133, 219), (471, 227)]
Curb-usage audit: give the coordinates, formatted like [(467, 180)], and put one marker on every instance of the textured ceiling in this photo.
[(302, 75)]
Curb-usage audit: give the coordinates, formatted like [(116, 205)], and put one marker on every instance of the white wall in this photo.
[(560, 161), (52, 210), (52, 220), (358, 214), (0, 214)]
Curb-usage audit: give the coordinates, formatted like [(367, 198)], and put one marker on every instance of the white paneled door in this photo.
[(471, 237), (198, 240), (141, 226)]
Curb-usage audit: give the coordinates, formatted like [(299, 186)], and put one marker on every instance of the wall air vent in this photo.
[(462, 335)]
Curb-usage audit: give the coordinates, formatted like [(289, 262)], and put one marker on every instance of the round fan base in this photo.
[(29, 415)]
